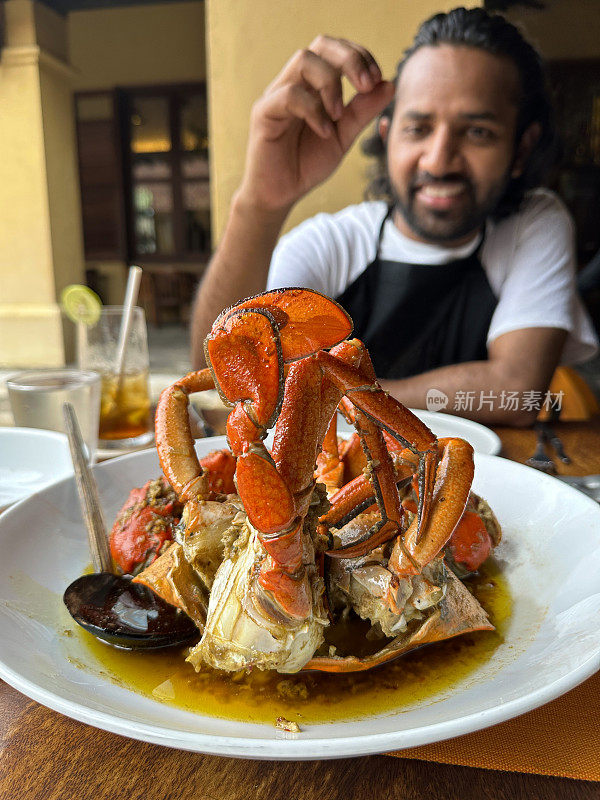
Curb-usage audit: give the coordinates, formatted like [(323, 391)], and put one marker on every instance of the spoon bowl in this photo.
[(127, 615)]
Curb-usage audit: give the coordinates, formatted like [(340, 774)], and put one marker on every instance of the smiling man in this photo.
[(461, 279), (451, 151)]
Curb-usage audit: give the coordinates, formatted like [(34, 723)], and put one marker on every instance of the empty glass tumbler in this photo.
[(37, 397)]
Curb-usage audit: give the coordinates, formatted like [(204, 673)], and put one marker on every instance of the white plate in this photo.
[(550, 555), (30, 459), (481, 438)]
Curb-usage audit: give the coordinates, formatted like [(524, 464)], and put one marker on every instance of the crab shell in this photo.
[(209, 575)]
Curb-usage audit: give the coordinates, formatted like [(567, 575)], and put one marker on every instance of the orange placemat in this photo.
[(561, 738)]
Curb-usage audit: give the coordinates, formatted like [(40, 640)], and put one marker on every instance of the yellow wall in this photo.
[(40, 218), (564, 29), (30, 328), (249, 42), (137, 45), (60, 149), (25, 255)]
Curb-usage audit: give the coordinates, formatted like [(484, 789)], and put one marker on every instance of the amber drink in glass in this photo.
[(125, 418)]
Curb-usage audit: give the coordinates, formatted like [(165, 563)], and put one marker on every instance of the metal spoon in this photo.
[(112, 608)]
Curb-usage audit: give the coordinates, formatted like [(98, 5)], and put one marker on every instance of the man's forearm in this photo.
[(478, 390), (238, 269)]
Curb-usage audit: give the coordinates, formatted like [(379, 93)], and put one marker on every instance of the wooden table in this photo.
[(45, 756)]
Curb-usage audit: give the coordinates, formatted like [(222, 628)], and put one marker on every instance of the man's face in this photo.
[(451, 142)]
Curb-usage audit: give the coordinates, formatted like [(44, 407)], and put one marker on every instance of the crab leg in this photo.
[(309, 402), (385, 412), (246, 353), (331, 464), (330, 467), (307, 414), (379, 481), (174, 441), (450, 497)]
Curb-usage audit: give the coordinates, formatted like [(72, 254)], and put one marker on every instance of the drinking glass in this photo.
[(37, 397), (125, 419)]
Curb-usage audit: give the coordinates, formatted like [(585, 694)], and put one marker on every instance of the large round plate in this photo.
[(550, 555), (482, 439)]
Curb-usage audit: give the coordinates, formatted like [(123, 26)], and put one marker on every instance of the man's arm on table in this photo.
[(519, 361)]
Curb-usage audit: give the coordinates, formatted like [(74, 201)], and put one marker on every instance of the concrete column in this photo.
[(41, 246)]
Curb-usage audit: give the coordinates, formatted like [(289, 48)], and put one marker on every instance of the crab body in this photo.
[(284, 358)]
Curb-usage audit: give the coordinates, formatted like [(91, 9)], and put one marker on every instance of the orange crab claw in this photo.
[(244, 354), (308, 321)]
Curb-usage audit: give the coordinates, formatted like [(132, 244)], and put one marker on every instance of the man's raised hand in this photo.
[(300, 129)]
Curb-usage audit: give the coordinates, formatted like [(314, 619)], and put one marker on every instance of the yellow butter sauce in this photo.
[(423, 675)]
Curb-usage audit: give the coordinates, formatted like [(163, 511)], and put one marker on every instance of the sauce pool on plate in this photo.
[(260, 697)]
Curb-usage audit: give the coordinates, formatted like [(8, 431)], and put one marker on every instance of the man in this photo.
[(462, 282)]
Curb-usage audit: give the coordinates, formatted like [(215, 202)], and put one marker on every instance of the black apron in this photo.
[(416, 317)]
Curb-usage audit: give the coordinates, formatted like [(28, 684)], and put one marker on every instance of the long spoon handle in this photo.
[(88, 494)]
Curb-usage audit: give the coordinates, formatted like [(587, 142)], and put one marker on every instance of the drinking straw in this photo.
[(131, 293), (81, 342)]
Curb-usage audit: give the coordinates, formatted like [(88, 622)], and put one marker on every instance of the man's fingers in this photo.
[(354, 61), (318, 74), (362, 109), (295, 101), (368, 59), (319, 70)]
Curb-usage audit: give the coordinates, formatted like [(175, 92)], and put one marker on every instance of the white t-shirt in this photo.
[(529, 260)]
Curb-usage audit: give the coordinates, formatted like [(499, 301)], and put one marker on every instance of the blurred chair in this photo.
[(578, 400), (160, 293), (167, 291)]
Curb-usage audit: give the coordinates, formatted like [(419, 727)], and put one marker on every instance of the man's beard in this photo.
[(441, 226)]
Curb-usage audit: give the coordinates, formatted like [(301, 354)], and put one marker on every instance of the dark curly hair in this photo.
[(490, 32)]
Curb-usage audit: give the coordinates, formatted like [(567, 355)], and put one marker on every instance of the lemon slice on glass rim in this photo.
[(81, 304)]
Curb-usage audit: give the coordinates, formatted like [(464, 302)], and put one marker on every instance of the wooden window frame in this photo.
[(174, 93), (120, 252)]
